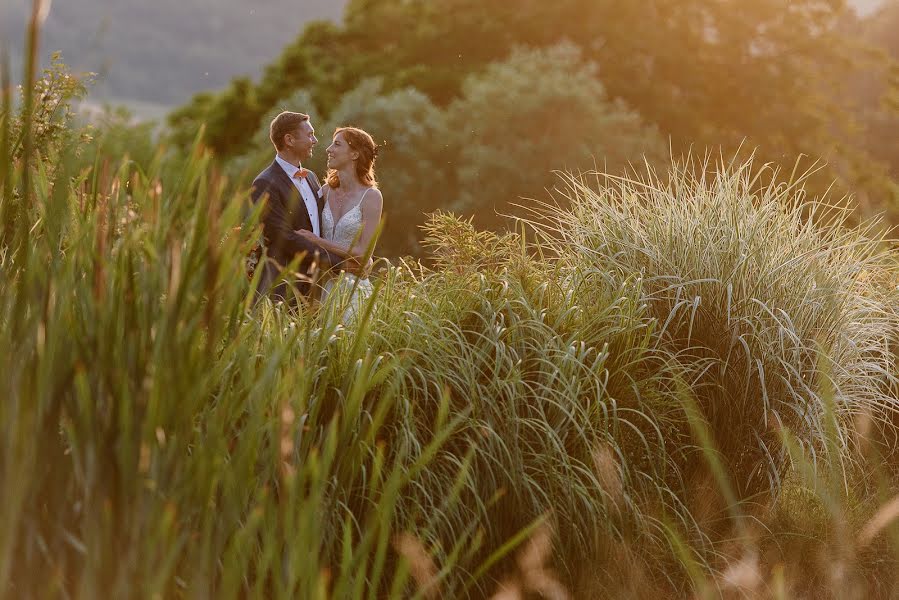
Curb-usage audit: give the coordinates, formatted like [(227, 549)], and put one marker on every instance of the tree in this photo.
[(722, 74), (716, 74), (706, 72), (52, 115), (880, 90), (185, 123), (539, 111)]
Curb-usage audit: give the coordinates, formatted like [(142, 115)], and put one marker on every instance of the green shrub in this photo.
[(53, 117), (116, 134)]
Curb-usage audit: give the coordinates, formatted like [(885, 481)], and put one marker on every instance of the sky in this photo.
[(164, 51)]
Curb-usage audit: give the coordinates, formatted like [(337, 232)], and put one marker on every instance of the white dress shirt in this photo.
[(305, 192)]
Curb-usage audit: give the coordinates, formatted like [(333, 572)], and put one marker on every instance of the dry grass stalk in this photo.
[(288, 418), (421, 565), (533, 573), (880, 521), (508, 590), (744, 575), (609, 474)]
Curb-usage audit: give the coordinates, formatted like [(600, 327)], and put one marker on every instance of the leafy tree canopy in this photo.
[(726, 74)]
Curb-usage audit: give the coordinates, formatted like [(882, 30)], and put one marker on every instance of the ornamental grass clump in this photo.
[(564, 399), (767, 299)]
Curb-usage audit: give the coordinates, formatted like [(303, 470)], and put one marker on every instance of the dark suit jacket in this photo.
[(285, 212)]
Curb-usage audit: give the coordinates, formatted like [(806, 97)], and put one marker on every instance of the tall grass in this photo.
[(160, 436), (777, 318), (765, 296)]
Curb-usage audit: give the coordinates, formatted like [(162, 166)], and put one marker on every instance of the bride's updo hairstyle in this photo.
[(361, 142)]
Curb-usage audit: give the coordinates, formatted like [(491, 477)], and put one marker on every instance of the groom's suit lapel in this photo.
[(292, 195), (283, 180)]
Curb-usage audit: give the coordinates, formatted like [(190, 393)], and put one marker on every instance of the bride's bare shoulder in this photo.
[(372, 201)]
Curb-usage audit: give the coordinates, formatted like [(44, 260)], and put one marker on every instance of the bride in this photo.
[(351, 213)]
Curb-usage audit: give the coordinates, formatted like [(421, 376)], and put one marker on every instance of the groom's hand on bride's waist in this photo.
[(355, 266), (351, 264)]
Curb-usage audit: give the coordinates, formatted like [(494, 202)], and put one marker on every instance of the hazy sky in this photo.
[(163, 51)]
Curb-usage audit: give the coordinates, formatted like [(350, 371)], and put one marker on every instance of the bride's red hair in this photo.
[(361, 142)]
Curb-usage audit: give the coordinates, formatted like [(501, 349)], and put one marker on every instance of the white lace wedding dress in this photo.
[(350, 291)]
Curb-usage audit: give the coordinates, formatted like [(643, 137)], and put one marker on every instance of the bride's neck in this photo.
[(348, 180)]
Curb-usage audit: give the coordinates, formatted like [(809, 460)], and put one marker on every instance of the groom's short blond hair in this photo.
[(286, 122)]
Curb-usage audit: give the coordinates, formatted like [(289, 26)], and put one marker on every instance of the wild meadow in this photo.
[(682, 383)]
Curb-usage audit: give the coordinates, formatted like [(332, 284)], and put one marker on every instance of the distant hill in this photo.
[(162, 52)]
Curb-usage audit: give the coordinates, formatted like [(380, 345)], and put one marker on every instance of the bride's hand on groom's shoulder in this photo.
[(306, 234)]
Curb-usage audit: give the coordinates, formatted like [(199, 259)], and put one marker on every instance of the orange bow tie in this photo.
[(301, 174)]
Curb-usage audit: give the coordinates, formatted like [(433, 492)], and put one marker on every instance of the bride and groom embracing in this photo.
[(328, 226)]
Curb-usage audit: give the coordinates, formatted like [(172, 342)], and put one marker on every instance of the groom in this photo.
[(292, 202)]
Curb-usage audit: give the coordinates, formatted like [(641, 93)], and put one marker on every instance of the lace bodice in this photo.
[(346, 230), (347, 288)]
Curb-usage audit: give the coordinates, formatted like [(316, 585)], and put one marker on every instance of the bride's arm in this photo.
[(328, 245), (371, 208), (351, 264), (372, 205)]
